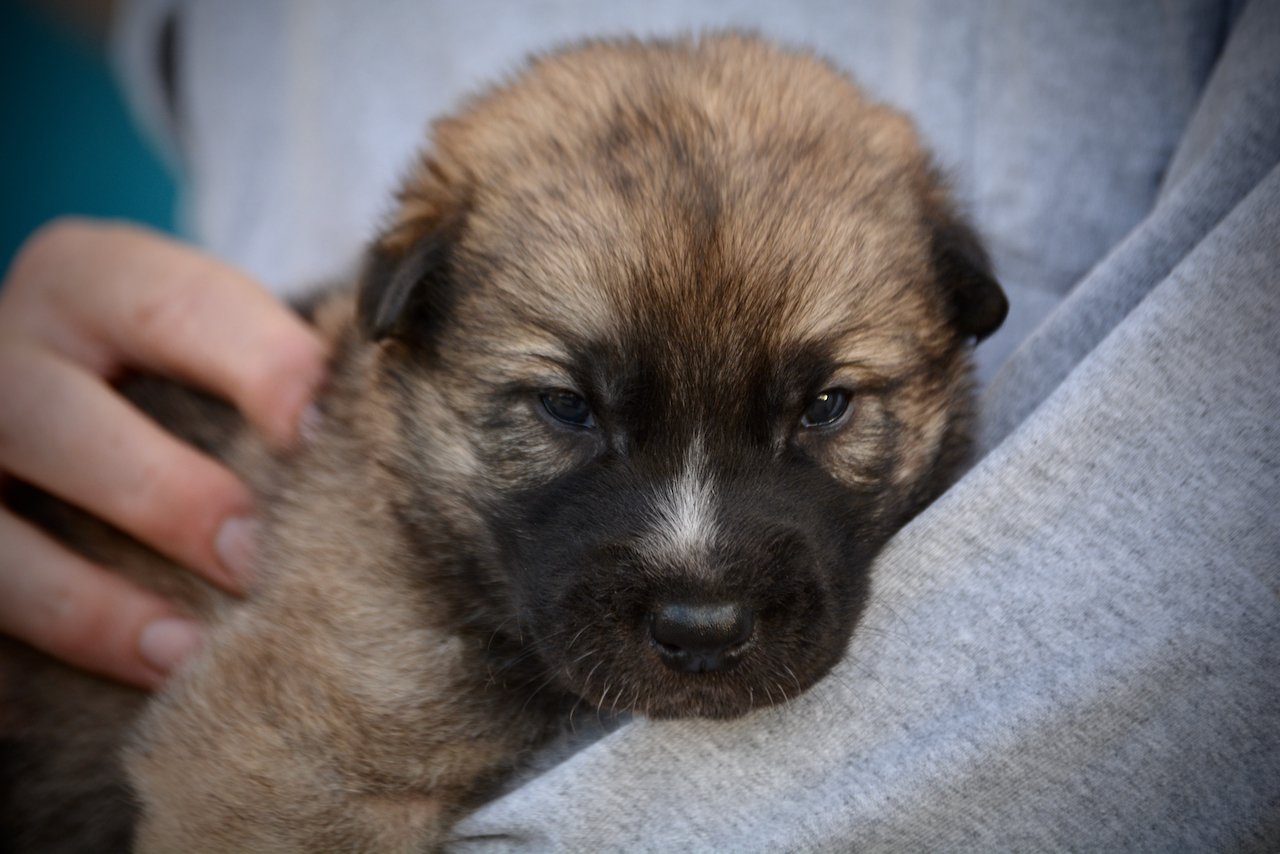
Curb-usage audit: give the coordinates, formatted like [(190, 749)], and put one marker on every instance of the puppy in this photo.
[(664, 340)]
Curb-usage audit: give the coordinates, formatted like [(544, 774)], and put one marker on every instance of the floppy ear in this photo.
[(406, 293), (978, 304), (407, 283)]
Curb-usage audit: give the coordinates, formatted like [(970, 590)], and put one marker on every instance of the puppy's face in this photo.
[(687, 334)]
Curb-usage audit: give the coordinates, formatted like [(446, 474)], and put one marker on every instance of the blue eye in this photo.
[(826, 409), (568, 407)]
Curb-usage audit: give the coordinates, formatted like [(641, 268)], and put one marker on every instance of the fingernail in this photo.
[(235, 545), (167, 642), (309, 424)]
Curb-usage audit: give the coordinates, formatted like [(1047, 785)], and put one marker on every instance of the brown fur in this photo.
[(704, 235)]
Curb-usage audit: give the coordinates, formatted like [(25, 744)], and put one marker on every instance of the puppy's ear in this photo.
[(407, 283), (977, 302), (406, 293)]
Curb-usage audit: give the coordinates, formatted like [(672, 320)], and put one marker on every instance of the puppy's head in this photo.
[(682, 335)]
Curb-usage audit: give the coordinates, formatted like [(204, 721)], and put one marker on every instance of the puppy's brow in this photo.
[(876, 353), (523, 364), (871, 376)]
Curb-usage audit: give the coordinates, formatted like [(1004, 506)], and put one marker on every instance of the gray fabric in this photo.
[(1078, 646), (1232, 142)]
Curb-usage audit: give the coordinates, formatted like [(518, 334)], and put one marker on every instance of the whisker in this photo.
[(794, 678), (576, 703), (497, 631), (592, 672), (569, 646), (600, 705)]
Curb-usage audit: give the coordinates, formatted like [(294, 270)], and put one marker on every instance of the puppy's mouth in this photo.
[(711, 659), (648, 686)]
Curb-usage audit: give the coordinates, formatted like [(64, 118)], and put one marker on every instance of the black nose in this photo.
[(700, 638)]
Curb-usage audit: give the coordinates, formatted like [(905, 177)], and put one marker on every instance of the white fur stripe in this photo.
[(684, 524)]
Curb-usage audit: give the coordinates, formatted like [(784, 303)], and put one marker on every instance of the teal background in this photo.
[(67, 144)]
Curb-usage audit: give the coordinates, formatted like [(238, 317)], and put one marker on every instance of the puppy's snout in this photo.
[(700, 638)]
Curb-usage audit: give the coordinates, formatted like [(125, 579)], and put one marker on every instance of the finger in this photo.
[(68, 432), (167, 308), (66, 606)]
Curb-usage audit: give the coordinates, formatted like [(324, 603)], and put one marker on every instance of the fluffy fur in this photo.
[(568, 452)]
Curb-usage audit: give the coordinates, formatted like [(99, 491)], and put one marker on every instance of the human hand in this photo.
[(82, 302)]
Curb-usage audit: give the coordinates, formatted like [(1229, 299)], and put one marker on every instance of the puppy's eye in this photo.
[(827, 409), (568, 407)]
